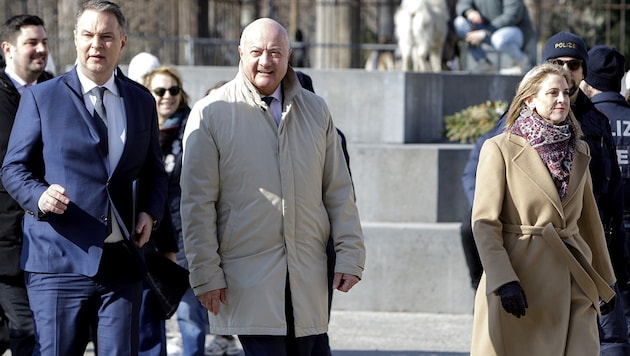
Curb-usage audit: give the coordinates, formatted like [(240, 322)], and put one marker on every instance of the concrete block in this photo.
[(411, 268), (368, 106), (409, 182), (403, 107)]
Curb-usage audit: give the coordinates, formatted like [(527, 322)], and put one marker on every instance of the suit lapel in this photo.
[(76, 94), (129, 108)]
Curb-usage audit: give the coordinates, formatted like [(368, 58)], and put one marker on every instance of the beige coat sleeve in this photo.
[(487, 227), (200, 191)]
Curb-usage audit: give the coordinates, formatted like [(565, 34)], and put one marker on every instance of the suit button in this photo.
[(104, 218)]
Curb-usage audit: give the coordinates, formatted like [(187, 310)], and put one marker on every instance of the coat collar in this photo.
[(529, 163), (290, 86)]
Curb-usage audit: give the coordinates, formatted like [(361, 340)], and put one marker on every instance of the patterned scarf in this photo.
[(554, 143)]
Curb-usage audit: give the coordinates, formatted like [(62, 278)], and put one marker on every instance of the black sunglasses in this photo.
[(161, 91), (572, 64)]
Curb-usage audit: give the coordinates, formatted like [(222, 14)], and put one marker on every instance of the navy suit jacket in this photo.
[(55, 140)]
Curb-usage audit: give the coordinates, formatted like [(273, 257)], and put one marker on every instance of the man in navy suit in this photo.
[(72, 165)]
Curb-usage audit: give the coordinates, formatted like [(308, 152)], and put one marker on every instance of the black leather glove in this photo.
[(513, 298), (606, 308)]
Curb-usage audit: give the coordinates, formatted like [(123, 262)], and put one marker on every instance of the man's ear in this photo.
[(124, 42), (6, 46)]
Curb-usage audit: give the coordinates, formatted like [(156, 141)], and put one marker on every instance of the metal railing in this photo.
[(598, 22)]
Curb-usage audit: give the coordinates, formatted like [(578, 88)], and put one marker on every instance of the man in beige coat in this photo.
[(264, 185)]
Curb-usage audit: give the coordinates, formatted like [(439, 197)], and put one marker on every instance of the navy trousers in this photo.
[(67, 307)]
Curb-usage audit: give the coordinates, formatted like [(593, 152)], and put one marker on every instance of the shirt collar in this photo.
[(17, 81), (87, 85), (277, 94)]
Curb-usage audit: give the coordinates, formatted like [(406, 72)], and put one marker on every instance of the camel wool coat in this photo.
[(554, 248), (260, 201)]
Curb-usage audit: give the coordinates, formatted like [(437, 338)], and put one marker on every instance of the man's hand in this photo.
[(213, 299), (475, 37), (343, 281), (53, 200), (144, 226), (474, 17)]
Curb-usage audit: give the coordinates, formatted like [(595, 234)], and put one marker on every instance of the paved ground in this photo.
[(399, 334), (382, 334), (391, 334)]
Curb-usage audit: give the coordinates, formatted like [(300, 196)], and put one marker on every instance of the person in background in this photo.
[(140, 65), (172, 111), (25, 46), (78, 144), (568, 50), (602, 85), (547, 272), (475, 269), (256, 213), (505, 25)]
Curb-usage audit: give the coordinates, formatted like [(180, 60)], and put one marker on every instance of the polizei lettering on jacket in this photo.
[(621, 129)]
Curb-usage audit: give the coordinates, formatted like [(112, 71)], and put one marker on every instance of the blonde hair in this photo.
[(530, 86)]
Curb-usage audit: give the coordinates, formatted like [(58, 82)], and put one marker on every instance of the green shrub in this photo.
[(468, 125)]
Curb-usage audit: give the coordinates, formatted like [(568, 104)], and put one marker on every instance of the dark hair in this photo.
[(103, 6), (11, 27)]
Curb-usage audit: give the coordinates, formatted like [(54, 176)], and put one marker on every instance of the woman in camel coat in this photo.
[(538, 231)]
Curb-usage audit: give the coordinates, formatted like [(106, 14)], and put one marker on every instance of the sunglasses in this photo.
[(572, 64), (161, 91)]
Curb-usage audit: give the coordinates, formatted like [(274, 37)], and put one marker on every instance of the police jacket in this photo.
[(606, 175), (615, 107)]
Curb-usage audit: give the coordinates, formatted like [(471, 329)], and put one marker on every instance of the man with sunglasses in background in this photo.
[(568, 50)]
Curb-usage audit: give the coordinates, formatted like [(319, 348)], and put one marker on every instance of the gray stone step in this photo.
[(409, 183), (411, 268)]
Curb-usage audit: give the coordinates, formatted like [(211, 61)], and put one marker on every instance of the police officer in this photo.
[(603, 85), (568, 50)]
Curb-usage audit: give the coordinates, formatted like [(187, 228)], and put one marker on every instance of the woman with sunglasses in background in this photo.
[(172, 109)]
